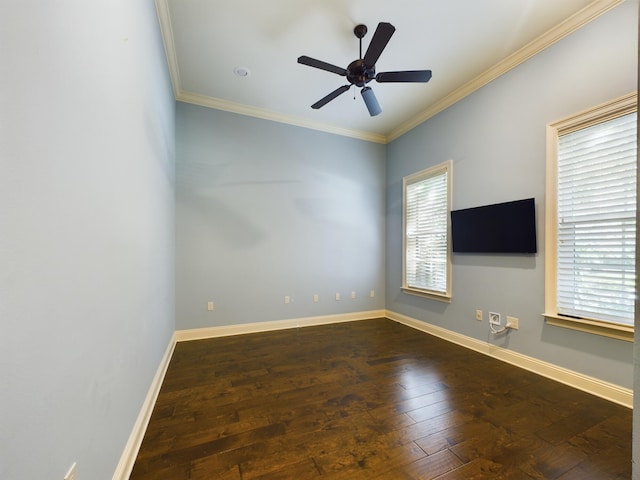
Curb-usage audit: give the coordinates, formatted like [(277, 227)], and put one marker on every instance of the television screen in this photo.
[(508, 227)]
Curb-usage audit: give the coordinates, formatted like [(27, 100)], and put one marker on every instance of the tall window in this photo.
[(591, 220), (427, 252)]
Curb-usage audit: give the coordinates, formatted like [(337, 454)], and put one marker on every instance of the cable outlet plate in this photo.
[(494, 319)]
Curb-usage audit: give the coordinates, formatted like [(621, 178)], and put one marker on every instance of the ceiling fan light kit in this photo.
[(361, 71), (371, 101)]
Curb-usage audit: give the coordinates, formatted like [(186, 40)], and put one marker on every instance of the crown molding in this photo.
[(227, 106), (570, 25), (166, 29)]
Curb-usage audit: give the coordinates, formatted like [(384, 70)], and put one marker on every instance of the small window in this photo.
[(591, 220), (427, 252)]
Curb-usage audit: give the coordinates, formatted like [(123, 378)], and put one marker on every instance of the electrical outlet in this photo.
[(513, 323), (210, 306), (494, 319), (287, 299), (372, 293), (71, 474), (353, 295), (337, 297), (316, 298), (479, 315)]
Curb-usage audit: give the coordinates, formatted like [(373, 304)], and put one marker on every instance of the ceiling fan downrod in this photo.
[(360, 31)]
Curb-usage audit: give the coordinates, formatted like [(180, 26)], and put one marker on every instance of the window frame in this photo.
[(442, 168), (587, 118)]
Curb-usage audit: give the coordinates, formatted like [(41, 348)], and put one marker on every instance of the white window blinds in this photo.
[(426, 230), (597, 221)]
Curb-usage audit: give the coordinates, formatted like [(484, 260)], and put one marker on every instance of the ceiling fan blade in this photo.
[(371, 101), (337, 92), (312, 62), (405, 76), (379, 41)]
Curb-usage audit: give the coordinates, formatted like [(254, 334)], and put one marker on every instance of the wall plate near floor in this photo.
[(494, 319)]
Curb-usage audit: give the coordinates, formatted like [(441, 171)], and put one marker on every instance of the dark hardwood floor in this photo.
[(371, 400)]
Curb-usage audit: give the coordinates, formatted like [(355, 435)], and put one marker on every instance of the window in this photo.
[(426, 250), (591, 220)]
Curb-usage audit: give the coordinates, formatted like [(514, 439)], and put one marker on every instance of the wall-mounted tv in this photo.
[(508, 227)]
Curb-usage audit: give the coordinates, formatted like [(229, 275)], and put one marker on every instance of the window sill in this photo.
[(620, 332), (441, 297)]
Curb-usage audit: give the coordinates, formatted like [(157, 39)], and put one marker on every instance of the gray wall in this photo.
[(496, 139), (86, 230), (265, 210)]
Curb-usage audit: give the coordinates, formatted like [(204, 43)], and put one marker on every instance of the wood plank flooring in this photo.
[(371, 400)]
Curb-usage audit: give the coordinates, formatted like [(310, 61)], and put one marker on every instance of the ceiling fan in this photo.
[(363, 70)]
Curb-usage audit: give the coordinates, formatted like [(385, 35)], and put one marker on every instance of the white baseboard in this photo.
[(128, 458), (614, 393), (227, 330)]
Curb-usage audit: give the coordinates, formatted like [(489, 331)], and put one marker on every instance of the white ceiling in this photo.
[(465, 43)]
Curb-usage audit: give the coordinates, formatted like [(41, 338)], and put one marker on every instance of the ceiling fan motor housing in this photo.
[(359, 74)]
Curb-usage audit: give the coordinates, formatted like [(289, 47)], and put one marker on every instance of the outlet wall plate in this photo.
[(494, 319)]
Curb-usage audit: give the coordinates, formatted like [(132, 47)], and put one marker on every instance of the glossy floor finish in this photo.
[(371, 400)]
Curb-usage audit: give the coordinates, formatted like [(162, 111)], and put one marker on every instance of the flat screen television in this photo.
[(508, 227)]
